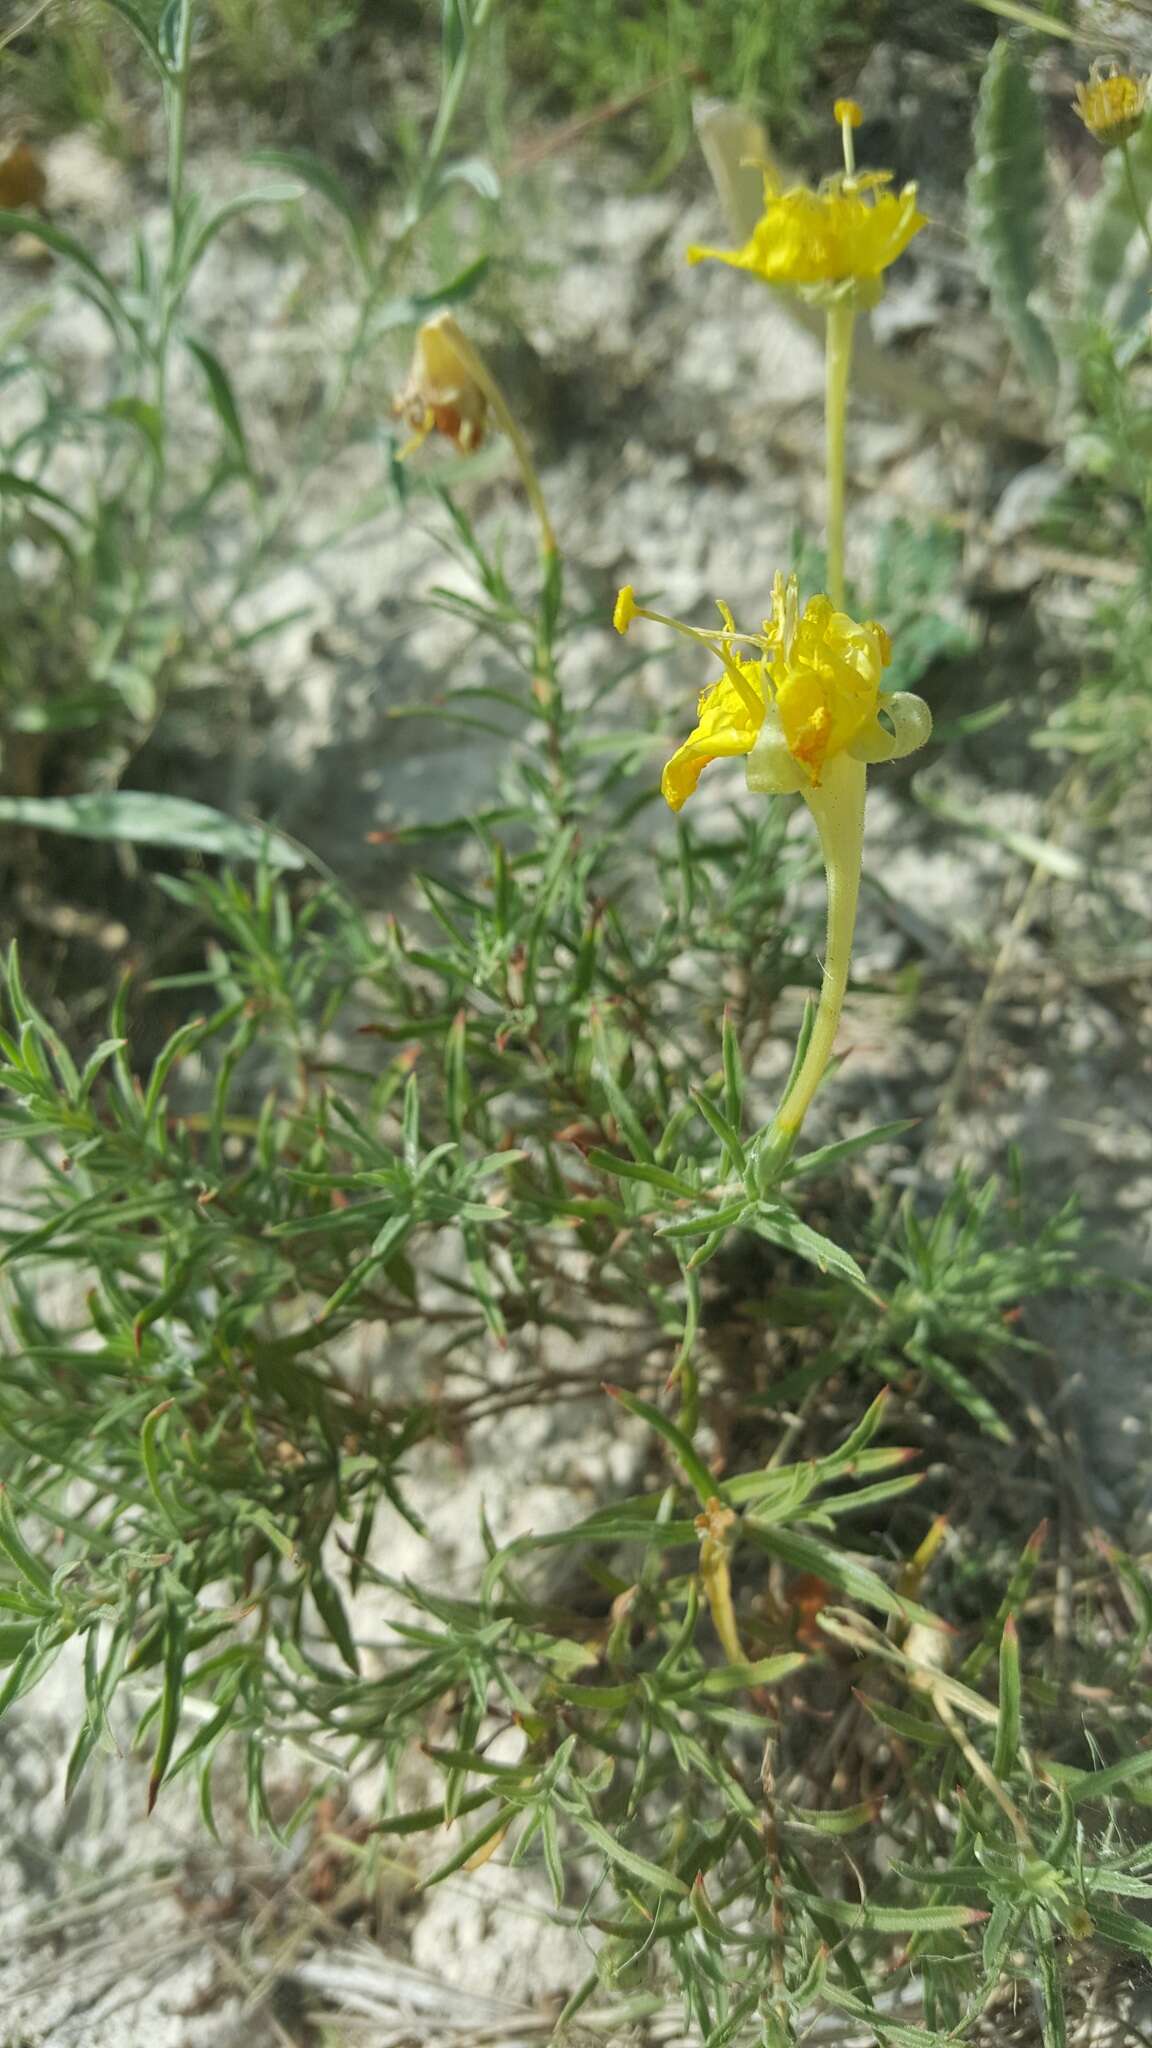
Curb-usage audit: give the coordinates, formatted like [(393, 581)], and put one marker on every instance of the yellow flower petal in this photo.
[(827, 683), (726, 726), (626, 609), (851, 228)]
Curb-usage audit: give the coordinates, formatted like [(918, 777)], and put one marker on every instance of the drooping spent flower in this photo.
[(452, 390), (1111, 104), (442, 394)]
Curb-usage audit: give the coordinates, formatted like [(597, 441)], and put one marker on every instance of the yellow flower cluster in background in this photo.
[(1112, 105)]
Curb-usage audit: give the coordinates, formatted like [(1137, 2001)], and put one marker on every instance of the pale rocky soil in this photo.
[(679, 415)]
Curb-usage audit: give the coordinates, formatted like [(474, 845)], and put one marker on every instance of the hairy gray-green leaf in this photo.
[(152, 820), (1007, 205)]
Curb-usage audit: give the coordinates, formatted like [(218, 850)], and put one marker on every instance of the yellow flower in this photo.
[(792, 697), (442, 393), (826, 681), (848, 110), (729, 723), (626, 609), (1111, 105), (852, 229)]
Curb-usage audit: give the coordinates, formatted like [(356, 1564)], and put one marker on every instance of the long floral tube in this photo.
[(837, 806)]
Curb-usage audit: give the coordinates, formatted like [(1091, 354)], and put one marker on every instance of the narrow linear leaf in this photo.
[(143, 818), (707, 1487)]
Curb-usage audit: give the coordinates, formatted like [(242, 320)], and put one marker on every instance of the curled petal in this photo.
[(911, 723)]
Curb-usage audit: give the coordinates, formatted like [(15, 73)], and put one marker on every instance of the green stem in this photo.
[(1138, 208), (318, 443), (178, 110), (450, 97), (154, 365), (838, 365), (837, 804)]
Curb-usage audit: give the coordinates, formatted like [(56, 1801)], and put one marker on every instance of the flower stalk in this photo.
[(1138, 207), (840, 327), (801, 699), (837, 806)]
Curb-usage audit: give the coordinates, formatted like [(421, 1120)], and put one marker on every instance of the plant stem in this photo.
[(837, 804), (838, 364), (1138, 208), (178, 110), (450, 98)]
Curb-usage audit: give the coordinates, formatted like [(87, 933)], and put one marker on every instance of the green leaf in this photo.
[(495, 1825), (171, 30), (473, 171), (889, 1919), (1007, 204), (143, 418), (1007, 1749), (635, 1169), (241, 203), (891, 2032), (765, 1671), (101, 290), (223, 398), (858, 1440), (320, 178), (960, 1387), (780, 1226), (175, 1648), (15, 1548), (724, 1129), (1123, 1930), (142, 818), (417, 306), (1121, 1777), (807, 1553), (630, 1127), (330, 1608), (625, 1859), (829, 1158), (706, 1486), (140, 25), (845, 1820), (14, 486)]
